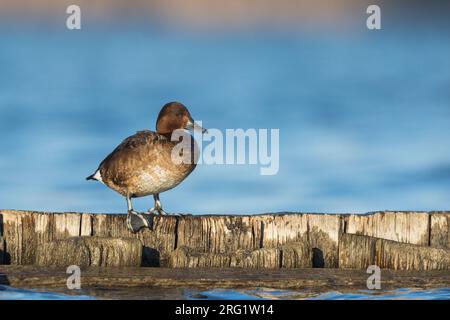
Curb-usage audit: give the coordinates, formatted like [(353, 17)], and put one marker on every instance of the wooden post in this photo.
[(2, 251), (407, 227), (440, 230), (358, 252), (285, 240), (91, 251)]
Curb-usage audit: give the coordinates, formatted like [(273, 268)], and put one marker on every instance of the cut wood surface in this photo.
[(270, 241)]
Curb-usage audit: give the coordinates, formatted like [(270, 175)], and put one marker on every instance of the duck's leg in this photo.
[(159, 210), (135, 220), (158, 207)]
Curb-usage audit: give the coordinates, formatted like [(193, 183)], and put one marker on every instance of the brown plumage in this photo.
[(143, 163)]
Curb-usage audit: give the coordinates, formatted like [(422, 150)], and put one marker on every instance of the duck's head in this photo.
[(173, 116)]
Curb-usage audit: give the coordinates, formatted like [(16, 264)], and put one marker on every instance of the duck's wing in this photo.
[(134, 152)]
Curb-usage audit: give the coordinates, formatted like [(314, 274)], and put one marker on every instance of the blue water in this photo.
[(364, 118), (8, 293), (364, 122), (402, 294)]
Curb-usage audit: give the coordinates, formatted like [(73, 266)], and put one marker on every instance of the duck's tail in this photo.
[(91, 177)]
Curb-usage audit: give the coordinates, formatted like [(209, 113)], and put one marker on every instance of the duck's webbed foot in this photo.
[(158, 211), (136, 221), (161, 212)]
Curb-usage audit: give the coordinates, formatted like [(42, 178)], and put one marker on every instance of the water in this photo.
[(265, 293), (9, 293), (226, 294), (364, 119), (364, 122)]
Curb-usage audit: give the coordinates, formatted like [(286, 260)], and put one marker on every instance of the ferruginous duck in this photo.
[(143, 163)]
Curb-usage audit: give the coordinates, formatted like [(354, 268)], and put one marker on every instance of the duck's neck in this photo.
[(167, 135), (177, 138)]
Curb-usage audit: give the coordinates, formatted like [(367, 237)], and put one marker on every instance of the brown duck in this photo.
[(143, 164)]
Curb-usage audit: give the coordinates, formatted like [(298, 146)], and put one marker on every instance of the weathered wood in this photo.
[(2, 251), (158, 242), (320, 231), (407, 227), (264, 258), (297, 255), (279, 229), (25, 231), (86, 224), (289, 240), (398, 256), (185, 257), (91, 251), (440, 230), (356, 251), (218, 234), (226, 234), (293, 255), (324, 230), (20, 237)]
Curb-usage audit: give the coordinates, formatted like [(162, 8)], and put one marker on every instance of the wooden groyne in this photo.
[(391, 240)]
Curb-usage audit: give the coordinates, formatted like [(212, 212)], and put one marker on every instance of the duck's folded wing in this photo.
[(133, 153)]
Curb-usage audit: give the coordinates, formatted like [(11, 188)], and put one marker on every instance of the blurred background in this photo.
[(364, 116)]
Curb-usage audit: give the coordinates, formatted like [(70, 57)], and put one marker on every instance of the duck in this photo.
[(144, 163)]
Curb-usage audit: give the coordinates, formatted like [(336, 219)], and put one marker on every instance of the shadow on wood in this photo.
[(150, 257), (5, 258), (317, 258)]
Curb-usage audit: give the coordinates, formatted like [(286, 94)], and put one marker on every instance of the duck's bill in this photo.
[(199, 128), (192, 125)]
